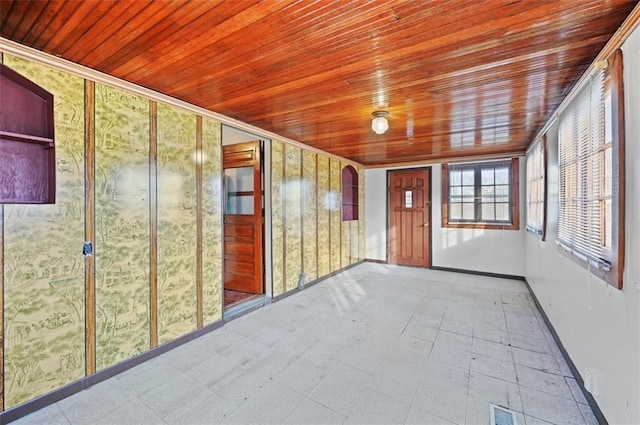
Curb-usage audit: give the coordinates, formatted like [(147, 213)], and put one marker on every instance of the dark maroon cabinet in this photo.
[(27, 150)]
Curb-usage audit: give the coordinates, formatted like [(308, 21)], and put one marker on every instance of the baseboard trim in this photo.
[(315, 282), (574, 370), (371, 260), (479, 273), (81, 384)]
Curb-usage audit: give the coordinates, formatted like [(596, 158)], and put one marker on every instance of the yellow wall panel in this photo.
[(354, 242), (122, 225), (335, 207), (211, 221), (345, 248), (43, 262), (309, 218), (293, 216), (324, 221), (277, 216), (176, 223)]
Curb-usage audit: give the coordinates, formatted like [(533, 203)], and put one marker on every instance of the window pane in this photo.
[(487, 176), (502, 176), (488, 194), (468, 191), (238, 185), (468, 212), (502, 212), (502, 193), (408, 199), (608, 125), (608, 173), (455, 211), (467, 177), (455, 178), (456, 191), (608, 224), (488, 212)]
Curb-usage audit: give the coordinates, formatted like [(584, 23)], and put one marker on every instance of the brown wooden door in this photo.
[(243, 245), (409, 216)]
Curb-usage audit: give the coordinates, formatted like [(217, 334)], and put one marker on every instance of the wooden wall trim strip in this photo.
[(153, 223), (89, 231), (35, 55), (468, 158), (329, 220), (340, 212), (301, 201), (199, 289), (283, 197), (315, 160)]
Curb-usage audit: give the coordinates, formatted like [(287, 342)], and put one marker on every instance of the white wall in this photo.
[(375, 214), (494, 251), (598, 325)]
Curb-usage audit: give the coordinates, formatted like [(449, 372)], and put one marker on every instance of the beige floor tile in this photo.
[(376, 344)]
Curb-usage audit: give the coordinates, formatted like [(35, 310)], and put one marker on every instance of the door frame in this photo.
[(428, 169), (258, 203), (267, 254)]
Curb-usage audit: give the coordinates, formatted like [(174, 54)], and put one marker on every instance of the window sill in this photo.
[(612, 277), (488, 226), (537, 233)]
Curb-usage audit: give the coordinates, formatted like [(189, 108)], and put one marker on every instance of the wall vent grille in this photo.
[(502, 416)]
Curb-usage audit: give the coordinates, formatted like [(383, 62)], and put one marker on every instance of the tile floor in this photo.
[(376, 344)]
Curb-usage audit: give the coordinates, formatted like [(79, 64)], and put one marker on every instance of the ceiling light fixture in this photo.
[(379, 123)]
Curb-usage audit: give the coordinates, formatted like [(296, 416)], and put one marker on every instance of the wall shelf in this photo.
[(27, 146)]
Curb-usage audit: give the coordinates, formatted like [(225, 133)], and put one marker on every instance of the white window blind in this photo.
[(584, 226), (536, 188)]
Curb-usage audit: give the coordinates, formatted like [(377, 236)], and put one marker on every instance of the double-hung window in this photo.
[(536, 188), (480, 195), (590, 150)]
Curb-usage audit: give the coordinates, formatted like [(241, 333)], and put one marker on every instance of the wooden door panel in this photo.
[(409, 215), (241, 267), (243, 244)]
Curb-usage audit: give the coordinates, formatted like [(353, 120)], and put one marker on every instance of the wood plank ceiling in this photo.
[(458, 77)]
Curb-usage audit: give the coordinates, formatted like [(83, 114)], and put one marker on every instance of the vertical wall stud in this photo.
[(199, 288), (89, 231), (153, 223), (317, 241), (301, 201), (329, 224), (283, 196)]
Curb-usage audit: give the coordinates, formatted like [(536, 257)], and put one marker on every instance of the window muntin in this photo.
[(591, 190), (536, 188), (480, 194)]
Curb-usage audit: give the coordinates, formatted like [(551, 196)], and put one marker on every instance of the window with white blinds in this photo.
[(589, 140), (536, 188)]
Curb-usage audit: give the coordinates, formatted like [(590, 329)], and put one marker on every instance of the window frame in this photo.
[(514, 197), (613, 87), (541, 145)]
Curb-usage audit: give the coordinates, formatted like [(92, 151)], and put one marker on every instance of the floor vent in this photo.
[(502, 416)]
